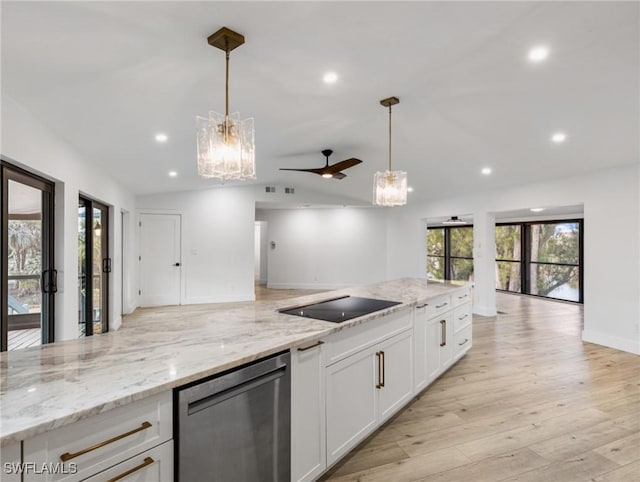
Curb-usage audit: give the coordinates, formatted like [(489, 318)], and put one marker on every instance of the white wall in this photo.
[(35, 148), (325, 248), (612, 242), (218, 232)]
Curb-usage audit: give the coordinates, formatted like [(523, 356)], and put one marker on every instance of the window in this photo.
[(450, 253), (541, 258)]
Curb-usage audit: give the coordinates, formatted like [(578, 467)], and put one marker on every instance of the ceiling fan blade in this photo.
[(342, 165), (314, 171), (339, 175)]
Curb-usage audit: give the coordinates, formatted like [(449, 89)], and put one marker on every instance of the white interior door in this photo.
[(160, 264)]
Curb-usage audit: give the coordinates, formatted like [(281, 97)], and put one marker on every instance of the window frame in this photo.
[(525, 258), (447, 249)]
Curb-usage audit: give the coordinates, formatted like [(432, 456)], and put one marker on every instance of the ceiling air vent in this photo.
[(270, 189), (289, 190)]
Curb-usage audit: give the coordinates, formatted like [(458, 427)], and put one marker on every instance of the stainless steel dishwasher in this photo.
[(236, 426)]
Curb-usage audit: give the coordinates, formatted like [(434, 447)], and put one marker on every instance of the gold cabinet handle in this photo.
[(443, 332), (67, 456), (311, 346), (463, 317), (422, 306), (380, 357), (442, 305), (465, 340), (463, 296), (147, 461)]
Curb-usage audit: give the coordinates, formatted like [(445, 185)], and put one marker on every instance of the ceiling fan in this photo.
[(332, 171)]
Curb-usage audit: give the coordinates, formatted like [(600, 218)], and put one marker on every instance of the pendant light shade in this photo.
[(390, 187), (225, 144)]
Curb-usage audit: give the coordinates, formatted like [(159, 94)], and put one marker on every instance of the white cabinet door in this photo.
[(446, 343), (351, 402), (433, 348), (420, 373), (397, 373), (308, 446)]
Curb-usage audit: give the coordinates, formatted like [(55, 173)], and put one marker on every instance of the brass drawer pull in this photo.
[(380, 357), (463, 317), (320, 342), (443, 332), (465, 341), (147, 461), (422, 306), (442, 305), (383, 377), (463, 296), (67, 456)]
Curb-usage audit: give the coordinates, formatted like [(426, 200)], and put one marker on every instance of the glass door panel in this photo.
[(27, 316), (94, 266)]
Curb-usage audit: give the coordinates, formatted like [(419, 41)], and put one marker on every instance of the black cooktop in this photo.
[(341, 309)]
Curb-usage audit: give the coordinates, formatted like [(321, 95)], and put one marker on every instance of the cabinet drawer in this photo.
[(462, 341), (103, 440), (461, 297), (438, 305), (461, 317), (154, 465), (10, 459), (351, 340)]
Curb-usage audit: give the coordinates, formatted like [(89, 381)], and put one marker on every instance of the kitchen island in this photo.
[(158, 349)]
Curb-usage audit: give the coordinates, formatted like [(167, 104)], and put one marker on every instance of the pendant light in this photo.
[(225, 144), (390, 187)]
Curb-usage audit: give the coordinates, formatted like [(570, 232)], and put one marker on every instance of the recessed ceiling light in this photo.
[(330, 78), (173, 173), (559, 137), (486, 171), (536, 210), (161, 137), (409, 189), (538, 54)]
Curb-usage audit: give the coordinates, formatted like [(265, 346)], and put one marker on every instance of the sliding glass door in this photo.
[(28, 275), (94, 266)]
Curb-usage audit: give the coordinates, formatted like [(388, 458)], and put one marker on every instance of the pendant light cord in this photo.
[(226, 86), (389, 138)]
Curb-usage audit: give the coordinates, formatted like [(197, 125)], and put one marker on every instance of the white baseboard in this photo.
[(623, 344), (484, 310)]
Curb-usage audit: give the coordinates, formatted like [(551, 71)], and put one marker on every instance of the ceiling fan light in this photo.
[(327, 176), (390, 188), (453, 221)]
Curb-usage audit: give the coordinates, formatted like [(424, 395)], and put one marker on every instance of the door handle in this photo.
[(443, 332), (106, 265), (50, 281), (176, 264)]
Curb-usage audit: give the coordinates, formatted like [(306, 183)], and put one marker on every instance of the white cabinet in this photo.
[(365, 389), (95, 444), (396, 358), (308, 445), (351, 402), (442, 334), (10, 459)]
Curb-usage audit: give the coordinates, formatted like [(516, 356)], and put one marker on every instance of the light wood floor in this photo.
[(529, 402)]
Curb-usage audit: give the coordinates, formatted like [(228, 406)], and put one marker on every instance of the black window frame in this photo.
[(447, 249), (525, 258)]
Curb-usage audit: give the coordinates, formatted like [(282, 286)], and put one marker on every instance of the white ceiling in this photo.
[(108, 76)]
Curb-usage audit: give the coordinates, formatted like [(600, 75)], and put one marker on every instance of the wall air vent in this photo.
[(270, 189), (289, 190)]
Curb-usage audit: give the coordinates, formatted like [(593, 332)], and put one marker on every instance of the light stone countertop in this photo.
[(157, 349)]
